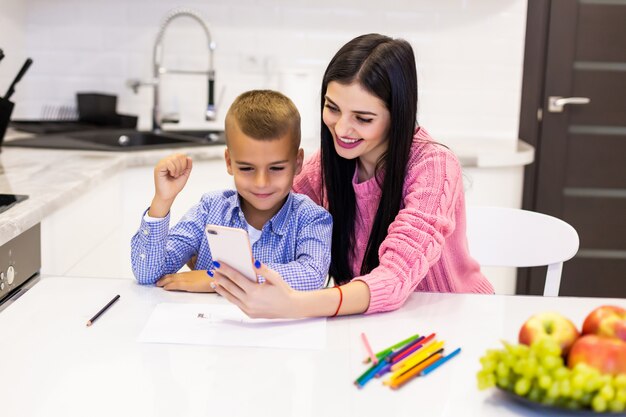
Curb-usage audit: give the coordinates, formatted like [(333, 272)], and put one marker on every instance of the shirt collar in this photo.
[(278, 223)]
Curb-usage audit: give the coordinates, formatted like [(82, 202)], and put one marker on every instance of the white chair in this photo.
[(502, 236)]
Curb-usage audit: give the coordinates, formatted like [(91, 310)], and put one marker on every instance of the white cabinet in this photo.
[(75, 229), (111, 257)]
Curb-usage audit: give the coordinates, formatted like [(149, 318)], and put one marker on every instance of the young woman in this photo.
[(396, 196)]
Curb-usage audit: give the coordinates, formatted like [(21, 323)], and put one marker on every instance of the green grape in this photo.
[(617, 406), (620, 381), (565, 388), (560, 373), (485, 380), (606, 379), (521, 351), (553, 391), (573, 405), (541, 371), (586, 399), (593, 383), (551, 362), (509, 360), (578, 381), (620, 395), (489, 364), (607, 392), (536, 394), (502, 370), (545, 382), (598, 404), (548, 400), (583, 368), (493, 354), (577, 393), (530, 370), (522, 386), (503, 382), (546, 347), (520, 366)]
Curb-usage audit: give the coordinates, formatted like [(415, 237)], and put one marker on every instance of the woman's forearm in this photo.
[(355, 299)]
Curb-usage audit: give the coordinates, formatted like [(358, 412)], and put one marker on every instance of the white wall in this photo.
[(469, 54), (12, 34)]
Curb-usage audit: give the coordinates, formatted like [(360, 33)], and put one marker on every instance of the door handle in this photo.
[(556, 103)]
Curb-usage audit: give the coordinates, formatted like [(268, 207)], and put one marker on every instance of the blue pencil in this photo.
[(440, 362)]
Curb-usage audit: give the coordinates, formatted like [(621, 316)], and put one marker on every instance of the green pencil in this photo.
[(385, 352)]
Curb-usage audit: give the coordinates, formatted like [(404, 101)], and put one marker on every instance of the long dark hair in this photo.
[(385, 67)]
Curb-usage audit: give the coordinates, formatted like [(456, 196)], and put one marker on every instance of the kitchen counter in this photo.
[(52, 178)]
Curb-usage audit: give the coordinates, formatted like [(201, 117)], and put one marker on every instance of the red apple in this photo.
[(552, 325), (609, 321), (605, 354)]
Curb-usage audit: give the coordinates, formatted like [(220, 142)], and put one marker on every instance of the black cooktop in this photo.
[(9, 200)]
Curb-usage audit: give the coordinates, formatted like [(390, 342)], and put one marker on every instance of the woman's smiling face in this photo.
[(359, 123)]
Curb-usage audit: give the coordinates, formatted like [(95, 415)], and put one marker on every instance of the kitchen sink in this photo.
[(122, 140)]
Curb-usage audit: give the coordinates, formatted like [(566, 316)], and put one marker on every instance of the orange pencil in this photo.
[(410, 374)]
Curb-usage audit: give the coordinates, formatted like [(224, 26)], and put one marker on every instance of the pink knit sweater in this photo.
[(426, 248)]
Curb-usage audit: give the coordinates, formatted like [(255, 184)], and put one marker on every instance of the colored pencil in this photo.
[(102, 310), (409, 349), (365, 378), (399, 373), (417, 356), (407, 376), (440, 362), (384, 352), (372, 368), (368, 349)]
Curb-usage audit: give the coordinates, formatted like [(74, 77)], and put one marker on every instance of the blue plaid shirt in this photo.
[(295, 242)]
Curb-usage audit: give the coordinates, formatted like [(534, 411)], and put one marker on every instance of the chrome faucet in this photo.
[(158, 69)]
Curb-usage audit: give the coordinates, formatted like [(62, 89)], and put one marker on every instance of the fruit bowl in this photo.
[(537, 374), (552, 409)]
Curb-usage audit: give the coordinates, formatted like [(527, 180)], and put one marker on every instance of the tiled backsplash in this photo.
[(469, 54)]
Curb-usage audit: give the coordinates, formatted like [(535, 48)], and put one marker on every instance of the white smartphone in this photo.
[(231, 246)]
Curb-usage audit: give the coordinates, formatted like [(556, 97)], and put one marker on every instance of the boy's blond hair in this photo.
[(265, 115)]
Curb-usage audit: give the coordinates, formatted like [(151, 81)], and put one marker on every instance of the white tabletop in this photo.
[(51, 364)]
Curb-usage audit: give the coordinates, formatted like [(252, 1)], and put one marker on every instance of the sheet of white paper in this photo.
[(226, 325)]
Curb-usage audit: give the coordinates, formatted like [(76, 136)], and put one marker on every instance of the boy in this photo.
[(288, 232)]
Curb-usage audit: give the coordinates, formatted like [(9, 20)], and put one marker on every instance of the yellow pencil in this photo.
[(397, 383), (418, 356)]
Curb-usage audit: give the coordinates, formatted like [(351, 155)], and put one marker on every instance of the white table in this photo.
[(51, 364)]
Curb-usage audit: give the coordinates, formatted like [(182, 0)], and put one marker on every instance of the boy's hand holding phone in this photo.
[(170, 176)]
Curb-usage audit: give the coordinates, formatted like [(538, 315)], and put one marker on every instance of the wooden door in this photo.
[(578, 50)]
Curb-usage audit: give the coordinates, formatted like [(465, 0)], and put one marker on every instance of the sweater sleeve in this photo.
[(416, 237), (309, 180)]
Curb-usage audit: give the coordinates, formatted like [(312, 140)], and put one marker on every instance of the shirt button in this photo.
[(142, 256), (145, 231)]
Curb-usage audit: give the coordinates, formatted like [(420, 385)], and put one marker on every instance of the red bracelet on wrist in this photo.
[(340, 300)]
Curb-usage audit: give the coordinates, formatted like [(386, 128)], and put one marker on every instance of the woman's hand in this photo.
[(273, 298), (191, 281)]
